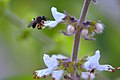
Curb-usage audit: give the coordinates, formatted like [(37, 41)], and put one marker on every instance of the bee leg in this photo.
[(39, 26)]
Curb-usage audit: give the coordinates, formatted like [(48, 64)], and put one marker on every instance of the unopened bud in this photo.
[(70, 29), (99, 28), (84, 32)]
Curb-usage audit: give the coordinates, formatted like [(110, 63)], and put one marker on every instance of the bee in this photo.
[(39, 22)]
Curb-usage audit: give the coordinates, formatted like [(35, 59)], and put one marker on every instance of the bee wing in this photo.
[(31, 23), (34, 25)]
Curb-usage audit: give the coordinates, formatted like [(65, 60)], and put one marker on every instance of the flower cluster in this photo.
[(52, 64), (90, 28), (58, 64)]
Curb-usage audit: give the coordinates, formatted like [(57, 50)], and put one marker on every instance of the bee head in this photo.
[(40, 18)]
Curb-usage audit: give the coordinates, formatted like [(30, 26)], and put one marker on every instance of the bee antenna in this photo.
[(33, 19)]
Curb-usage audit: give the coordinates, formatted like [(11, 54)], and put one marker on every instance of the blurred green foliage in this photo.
[(22, 48)]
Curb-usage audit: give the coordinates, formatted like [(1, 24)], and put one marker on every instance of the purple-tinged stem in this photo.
[(78, 30), (77, 35)]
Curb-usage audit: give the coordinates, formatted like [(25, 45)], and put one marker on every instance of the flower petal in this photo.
[(50, 23), (57, 74), (105, 68), (87, 75), (96, 57), (50, 62), (92, 61), (59, 56), (86, 65), (57, 15), (43, 72), (99, 28)]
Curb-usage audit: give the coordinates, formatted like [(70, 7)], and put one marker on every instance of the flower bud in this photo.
[(70, 29), (84, 32), (99, 28)]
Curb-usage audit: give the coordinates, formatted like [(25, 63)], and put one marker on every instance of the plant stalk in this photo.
[(78, 30), (77, 35)]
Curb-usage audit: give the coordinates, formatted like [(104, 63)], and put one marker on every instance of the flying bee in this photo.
[(39, 22)]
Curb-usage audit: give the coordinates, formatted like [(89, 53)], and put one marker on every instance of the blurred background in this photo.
[(22, 48)]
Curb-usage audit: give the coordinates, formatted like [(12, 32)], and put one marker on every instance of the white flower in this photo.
[(93, 63), (51, 63), (99, 28), (57, 16), (87, 75)]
